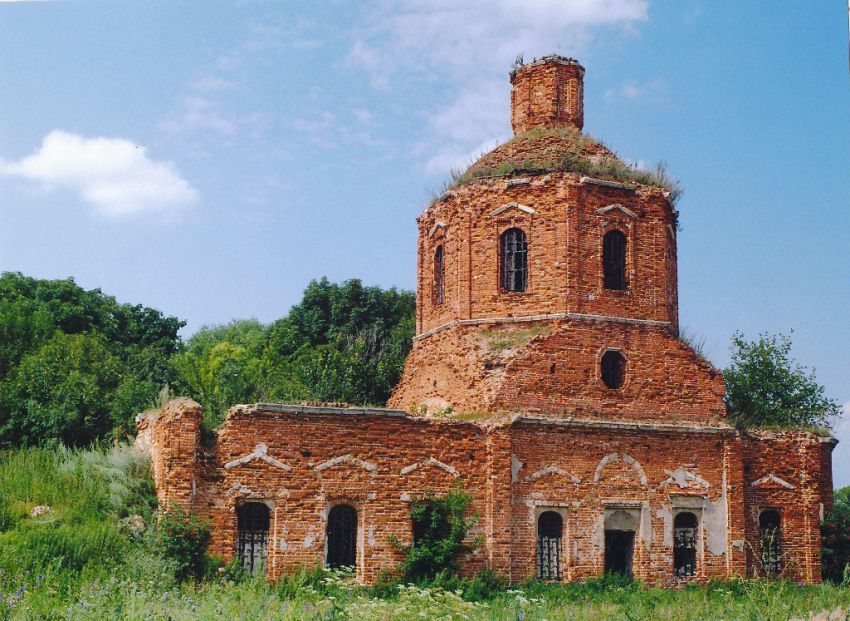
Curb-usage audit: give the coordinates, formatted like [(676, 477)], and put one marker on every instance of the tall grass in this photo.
[(80, 561)]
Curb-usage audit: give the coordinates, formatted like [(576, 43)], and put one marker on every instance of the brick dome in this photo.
[(542, 150)]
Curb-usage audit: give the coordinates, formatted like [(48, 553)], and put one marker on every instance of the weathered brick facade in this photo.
[(506, 393)]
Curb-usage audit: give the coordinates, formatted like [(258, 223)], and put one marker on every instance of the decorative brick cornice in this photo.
[(548, 317)]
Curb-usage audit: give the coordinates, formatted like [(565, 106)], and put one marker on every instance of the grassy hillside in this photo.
[(95, 554)]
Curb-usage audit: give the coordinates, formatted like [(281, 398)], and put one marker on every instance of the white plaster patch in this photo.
[(611, 458), (347, 459), (309, 540), (405, 497), (618, 207), (684, 479), (260, 452), (552, 469), (716, 521), (371, 538), (512, 205), (516, 466), (771, 478), (439, 224), (430, 461), (237, 489)]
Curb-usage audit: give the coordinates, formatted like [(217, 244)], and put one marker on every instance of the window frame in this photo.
[(505, 273), (622, 371), (438, 276), (354, 540), (695, 544), (243, 539), (606, 261), (770, 562)]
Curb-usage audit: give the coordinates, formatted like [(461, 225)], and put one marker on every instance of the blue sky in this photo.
[(209, 159)]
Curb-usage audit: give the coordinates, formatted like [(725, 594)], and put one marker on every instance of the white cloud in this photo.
[(112, 174), (472, 44), (655, 91), (841, 454)]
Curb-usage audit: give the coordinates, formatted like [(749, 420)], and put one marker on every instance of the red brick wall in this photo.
[(547, 92), (173, 437), (552, 368), (564, 251), (773, 461), (302, 461)]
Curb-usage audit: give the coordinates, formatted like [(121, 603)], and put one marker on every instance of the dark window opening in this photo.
[(341, 541), (771, 544), (614, 260), (439, 272), (514, 263), (619, 551), (685, 545), (613, 367), (253, 524), (550, 528)]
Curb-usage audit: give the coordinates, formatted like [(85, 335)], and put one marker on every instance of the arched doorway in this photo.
[(620, 528), (550, 529), (253, 520), (341, 538), (771, 542), (685, 544)]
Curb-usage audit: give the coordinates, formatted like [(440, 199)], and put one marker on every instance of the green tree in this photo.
[(221, 366), (342, 342), (766, 388), (835, 532), (64, 390), (135, 342)]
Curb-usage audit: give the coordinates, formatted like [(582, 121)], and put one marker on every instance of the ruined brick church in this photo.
[(546, 377)]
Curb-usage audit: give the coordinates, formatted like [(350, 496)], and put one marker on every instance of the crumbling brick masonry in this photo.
[(546, 377)]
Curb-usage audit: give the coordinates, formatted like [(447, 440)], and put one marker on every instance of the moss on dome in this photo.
[(562, 149)]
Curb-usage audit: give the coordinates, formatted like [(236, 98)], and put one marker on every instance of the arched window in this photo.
[(341, 539), (439, 271), (613, 368), (771, 543), (550, 528), (514, 260), (685, 545), (253, 525), (614, 260)]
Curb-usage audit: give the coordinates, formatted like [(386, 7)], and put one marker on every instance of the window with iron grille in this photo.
[(341, 538), (253, 542), (550, 527), (771, 543), (614, 260), (514, 260), (439, 272), (685, 545), (612, 368)]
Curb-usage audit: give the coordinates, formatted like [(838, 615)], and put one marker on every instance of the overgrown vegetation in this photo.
[(766, 388), (440, 529), (76, 366), (570, 157), (96, 554), (835, 532), (499, 340)]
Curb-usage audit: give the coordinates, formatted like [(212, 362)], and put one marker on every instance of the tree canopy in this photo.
[(766, 388), (76, 365)]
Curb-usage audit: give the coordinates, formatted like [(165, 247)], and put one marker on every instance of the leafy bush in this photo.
[(182, 538), (440, 529), (835, 533)]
